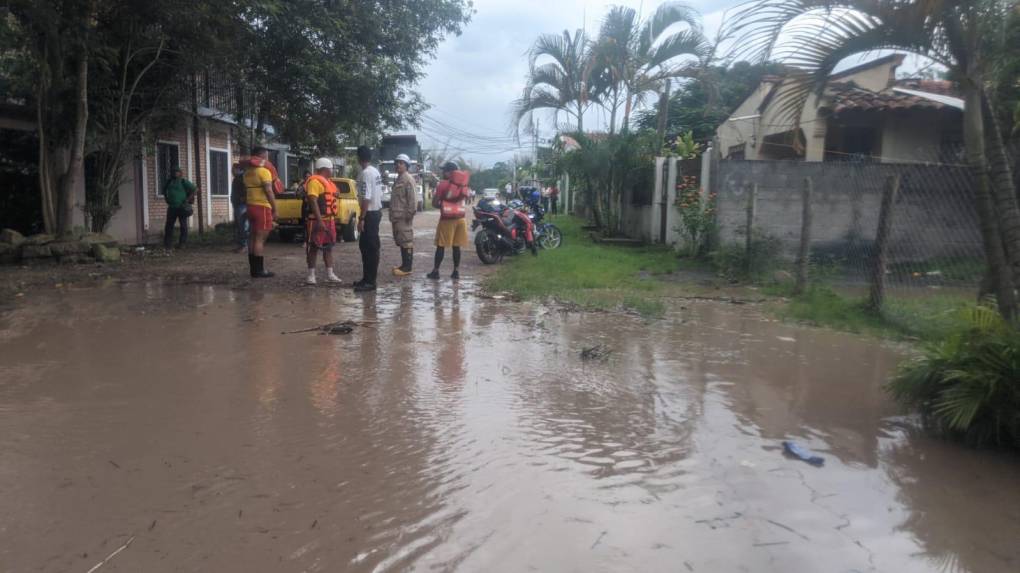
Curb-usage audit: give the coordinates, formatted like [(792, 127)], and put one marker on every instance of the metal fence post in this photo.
[(749, 240), (885, 220), (804, 254)]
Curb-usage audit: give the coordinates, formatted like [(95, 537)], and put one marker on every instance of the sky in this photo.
[(474, 77)]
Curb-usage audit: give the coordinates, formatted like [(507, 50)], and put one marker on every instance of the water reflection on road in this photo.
[(457, 433)]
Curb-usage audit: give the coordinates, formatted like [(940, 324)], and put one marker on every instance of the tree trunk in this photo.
[(76, 163), (580, 117), (996, 242), (663, 115), (626, 114), (612, 112)]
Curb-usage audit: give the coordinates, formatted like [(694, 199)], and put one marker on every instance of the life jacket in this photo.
[(256, 161), (327, 200)]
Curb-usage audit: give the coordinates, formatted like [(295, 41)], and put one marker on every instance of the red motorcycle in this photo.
[(501, 231)]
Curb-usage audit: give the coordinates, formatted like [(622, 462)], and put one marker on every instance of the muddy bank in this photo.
[(218, 264), (453, 433)]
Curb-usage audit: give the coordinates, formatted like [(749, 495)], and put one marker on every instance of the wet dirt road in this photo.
[(465, 434)]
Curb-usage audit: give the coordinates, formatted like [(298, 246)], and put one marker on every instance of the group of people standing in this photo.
[(253, 196)]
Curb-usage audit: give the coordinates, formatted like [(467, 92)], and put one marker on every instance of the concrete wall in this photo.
[(934, 214)]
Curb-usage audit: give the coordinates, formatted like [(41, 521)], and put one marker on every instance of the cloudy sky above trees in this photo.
[(476, 76)]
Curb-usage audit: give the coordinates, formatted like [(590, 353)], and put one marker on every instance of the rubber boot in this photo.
[(405, 263), (251, 265), (260, 269)]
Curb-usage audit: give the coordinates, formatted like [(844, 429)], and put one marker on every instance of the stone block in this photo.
[(65, 248), (35, 251), (99, 239), (104, 254), (11, 237), (39, 240)]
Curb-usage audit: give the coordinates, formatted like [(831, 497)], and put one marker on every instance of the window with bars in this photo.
[(168, 159), (219, 173)]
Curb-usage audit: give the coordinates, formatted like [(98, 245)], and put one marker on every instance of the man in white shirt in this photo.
[(508, 192), (370, 196)]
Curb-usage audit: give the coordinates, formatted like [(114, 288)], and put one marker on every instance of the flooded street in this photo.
[(454, 433)]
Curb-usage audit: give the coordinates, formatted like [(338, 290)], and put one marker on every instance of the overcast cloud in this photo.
[(475, 77)]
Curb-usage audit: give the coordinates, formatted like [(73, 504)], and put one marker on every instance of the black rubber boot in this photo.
[(260, 269), (252, 269), (408, 256)]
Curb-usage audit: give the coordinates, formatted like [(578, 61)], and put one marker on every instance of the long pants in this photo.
[(553, 200), (370, 246), (241, 225), (174, 214)]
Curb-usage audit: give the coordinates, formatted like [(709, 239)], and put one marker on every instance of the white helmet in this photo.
[(323, 163), (403, 157)]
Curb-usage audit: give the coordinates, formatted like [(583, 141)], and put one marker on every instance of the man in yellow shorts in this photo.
[(320, 231), (452, 230), (261, 201)]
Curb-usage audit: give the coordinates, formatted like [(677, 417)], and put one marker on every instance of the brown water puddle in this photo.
[(466, 434)]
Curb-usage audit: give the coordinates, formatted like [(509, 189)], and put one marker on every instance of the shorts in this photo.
[(261, 218), (452, 233), (324, 239)]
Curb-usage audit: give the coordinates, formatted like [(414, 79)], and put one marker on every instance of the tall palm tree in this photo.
[(556, 79), (814, 36), (632, 58)]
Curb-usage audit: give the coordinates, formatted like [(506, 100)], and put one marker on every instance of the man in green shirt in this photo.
[(178, 193)]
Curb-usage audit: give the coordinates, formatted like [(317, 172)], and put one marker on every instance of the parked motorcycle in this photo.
[(501, 231), (547, 235)]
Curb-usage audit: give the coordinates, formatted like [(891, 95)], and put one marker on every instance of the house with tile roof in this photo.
[(864, 114)]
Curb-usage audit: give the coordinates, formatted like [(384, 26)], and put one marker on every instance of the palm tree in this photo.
[(631, 58), (814, 36), (556, 79)]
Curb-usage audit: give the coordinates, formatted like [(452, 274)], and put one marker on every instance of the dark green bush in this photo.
[(735, 263), (968, 385)]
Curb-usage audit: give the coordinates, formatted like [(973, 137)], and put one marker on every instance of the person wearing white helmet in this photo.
[(320, 224), (403, 206)]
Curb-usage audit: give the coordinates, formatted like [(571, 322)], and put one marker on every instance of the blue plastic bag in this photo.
[(800, 452)]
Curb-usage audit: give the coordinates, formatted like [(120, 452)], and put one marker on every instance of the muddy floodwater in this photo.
[(176, 429)]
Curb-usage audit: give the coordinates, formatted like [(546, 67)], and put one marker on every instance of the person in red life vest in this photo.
[(554, 198), (320, 226), (452, 230), (261, 187)]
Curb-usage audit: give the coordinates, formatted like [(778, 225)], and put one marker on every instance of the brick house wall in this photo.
[(214, 209)]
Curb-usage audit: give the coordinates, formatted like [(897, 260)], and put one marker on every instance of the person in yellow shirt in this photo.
[(261, 201), (320, 224)]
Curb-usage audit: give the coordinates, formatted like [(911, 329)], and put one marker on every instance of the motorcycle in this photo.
[(501, 231), (547, 235)]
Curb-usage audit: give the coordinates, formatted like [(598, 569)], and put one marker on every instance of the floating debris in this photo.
[(334, 328), (597, 352)]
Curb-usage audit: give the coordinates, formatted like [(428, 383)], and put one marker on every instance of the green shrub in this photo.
[(735, 263), (968, 385)]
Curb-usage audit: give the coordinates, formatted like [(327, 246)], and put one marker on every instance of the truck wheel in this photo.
[(350, 231), (287, 235)]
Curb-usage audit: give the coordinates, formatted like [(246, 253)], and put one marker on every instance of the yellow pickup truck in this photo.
[(290, 212)]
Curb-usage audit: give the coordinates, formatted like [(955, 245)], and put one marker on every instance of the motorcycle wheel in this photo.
[(487, 248), (551, 237)]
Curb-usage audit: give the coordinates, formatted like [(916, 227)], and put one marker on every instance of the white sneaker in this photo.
[(311, 279), (331, 277)]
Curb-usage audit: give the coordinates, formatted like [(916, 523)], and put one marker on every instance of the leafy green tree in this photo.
[(700, 106), (556, 79), (632, 58)]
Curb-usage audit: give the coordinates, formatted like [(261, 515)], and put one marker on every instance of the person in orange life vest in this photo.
[(452, 230), (320, 226), (260, 184)]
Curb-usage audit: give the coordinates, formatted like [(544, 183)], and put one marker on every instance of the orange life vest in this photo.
[(327, 200)]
